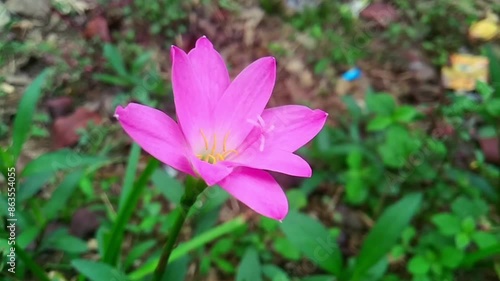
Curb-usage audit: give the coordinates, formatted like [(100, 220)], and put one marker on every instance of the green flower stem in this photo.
[(194, 187)]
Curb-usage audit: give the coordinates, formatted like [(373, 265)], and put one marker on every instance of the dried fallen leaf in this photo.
[(490, 149), (39, 9), (59, 107), (381, 13), (84, 223), (97, 27), (64, 129)]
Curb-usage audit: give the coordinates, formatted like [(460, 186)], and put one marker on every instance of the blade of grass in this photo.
[(117, 232), (385, 233), (31, 264), (128, 180), (25, 112), (494, 64), (115, 59), (61, 195), (184, 248)]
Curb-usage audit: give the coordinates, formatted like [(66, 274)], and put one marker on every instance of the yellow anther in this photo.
[(211, 155)]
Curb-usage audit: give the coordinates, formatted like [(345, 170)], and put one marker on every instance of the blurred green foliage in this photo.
[(431, 216)]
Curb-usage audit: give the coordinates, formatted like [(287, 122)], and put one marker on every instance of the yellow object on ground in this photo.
[(464, 71), (485, 29)]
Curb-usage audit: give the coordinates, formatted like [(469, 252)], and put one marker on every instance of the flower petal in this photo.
[(274, 159), (210, 173), (210, 70), (156, 133), (245, 99), (258, 190), (190, 100), (292, 126)]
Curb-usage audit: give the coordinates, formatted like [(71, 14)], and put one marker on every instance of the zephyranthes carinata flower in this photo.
[(224, 134)]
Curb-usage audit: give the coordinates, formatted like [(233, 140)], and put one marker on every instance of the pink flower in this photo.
[(224, 135)]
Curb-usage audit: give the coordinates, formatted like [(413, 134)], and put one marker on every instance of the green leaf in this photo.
[(398, 146), (472, 258), (140, 62), (487, 131), (493, 107), (224, 265), (310, 184), (313, 240), (451, 257), (117, 232), (484, 239), (319, 278), (59, 198), (405, 114), (100, 235), (31, 264), (468, 225), (195, 243), (398, 252), (418, 265), (62, 241), (382, 104), (386, 232), (168, 186), (177, 271), (249, 268), (28, 236), (356, 188), (352, 106), (355, 159), (379, 123), (464, 207), (447, 224), (128, 179), (31, 185), (268, 225), (210, 200), (206, 219), (222, 247), (274, 273), (494, 64), (61, 160), (462, 240), (296, 199), (286, 249), (408, 234), (484, 89), (115, 59), (138, 251), (97, 271), (25, 112)]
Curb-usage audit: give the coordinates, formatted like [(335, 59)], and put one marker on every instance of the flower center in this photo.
[(212, 152)]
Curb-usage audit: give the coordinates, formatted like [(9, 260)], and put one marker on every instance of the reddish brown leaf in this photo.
[(84, 223), (97, 27), (490, 149), (381, 13), (64, 129), (59, 107)]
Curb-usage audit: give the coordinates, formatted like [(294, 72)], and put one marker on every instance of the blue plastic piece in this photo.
[(352, 74)]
